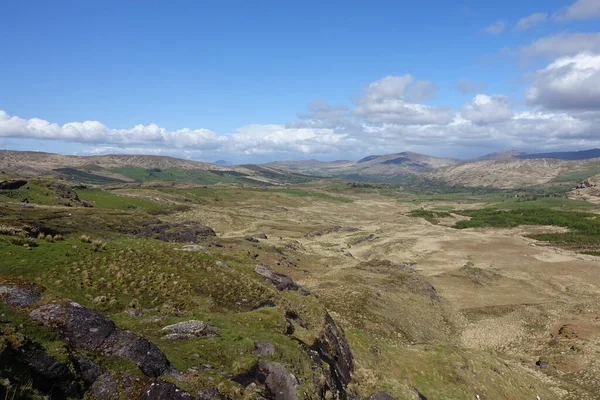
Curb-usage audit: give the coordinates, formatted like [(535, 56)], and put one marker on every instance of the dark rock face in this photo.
[(164, 391), (31, 364), (88, 330), (280, 281), (333, 349), (20, 296), (184, 232), (380, 396), (12, 185), (190, 329)]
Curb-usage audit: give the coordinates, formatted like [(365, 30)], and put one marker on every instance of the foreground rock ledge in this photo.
[(89, 330)]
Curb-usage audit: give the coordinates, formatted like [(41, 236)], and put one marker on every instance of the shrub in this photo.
[(49, 239), (85, 239), (98, 245)]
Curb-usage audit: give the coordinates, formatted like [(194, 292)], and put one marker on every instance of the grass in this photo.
[(429, 215), (575, 177), (105, 199), (584, 228), (178, 175), (77, 175)]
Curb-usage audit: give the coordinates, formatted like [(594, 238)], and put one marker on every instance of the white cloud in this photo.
[(485, 109), (466, 86), (530, 21), (496, 28), (390, 100), (568, 83), (563, 44), (581, 9)]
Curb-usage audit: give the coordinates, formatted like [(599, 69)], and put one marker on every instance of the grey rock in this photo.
[(380, 396), (20, 296), (89, 330), (190, 329), (264, 348), (280, 281), (278, 383)]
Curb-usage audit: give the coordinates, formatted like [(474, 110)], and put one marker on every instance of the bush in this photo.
[(85, 239), (98, 245)]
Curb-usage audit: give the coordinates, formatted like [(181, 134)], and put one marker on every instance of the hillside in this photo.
[(110, 169), (515, 173), (388, 167), (564, 155)]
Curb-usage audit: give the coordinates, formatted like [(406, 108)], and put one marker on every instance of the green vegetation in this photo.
[(106, 199), (431, 216), (584, 228), (179, 175), (575, 177), (76, 175)]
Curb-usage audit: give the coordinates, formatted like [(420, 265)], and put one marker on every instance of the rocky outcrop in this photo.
[(182, 232), (31, 365), (278, 383), (189, 329), (273, 377), (332, 348), (89, 330), (12, 185), (20, 295), (280, 281)]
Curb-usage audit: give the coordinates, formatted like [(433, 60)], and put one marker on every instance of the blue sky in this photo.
[(226, 79)]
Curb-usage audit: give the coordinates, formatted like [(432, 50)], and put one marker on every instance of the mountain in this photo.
[(389, 167), (222, 162), (500, 155), (564, 155)]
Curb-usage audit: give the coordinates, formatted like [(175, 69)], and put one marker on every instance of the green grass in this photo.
[(584, 228), (106, 199), (576, 177), (76, 175), (178, 175), (429, 215), (36, 192)]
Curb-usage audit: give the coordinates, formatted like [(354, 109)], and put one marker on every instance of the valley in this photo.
[(326, 289)]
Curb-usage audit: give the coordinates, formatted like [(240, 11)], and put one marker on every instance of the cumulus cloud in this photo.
[(496, 28), (581, 9), (484, 109), (386, 117), (530, 21), (568, 83), (563, 44), (391, 100), (466, 86)]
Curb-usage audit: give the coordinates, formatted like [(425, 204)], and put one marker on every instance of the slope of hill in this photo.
[(564, 155), (376, 167), (500, 155), (515, 173), (112, 169)]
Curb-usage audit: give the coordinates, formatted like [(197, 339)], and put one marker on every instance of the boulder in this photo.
[(190, 329), (20, 296), (278, 383), (280, 281), (89, 330), (264, 348)]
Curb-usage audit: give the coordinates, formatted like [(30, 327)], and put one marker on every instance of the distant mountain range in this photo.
[(501, 169)]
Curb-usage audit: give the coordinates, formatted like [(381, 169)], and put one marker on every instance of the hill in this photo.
[(564, 155), (389, 167), (515, 173), (111, 169)]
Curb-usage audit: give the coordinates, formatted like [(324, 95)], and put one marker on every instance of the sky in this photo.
[(257, 81)]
